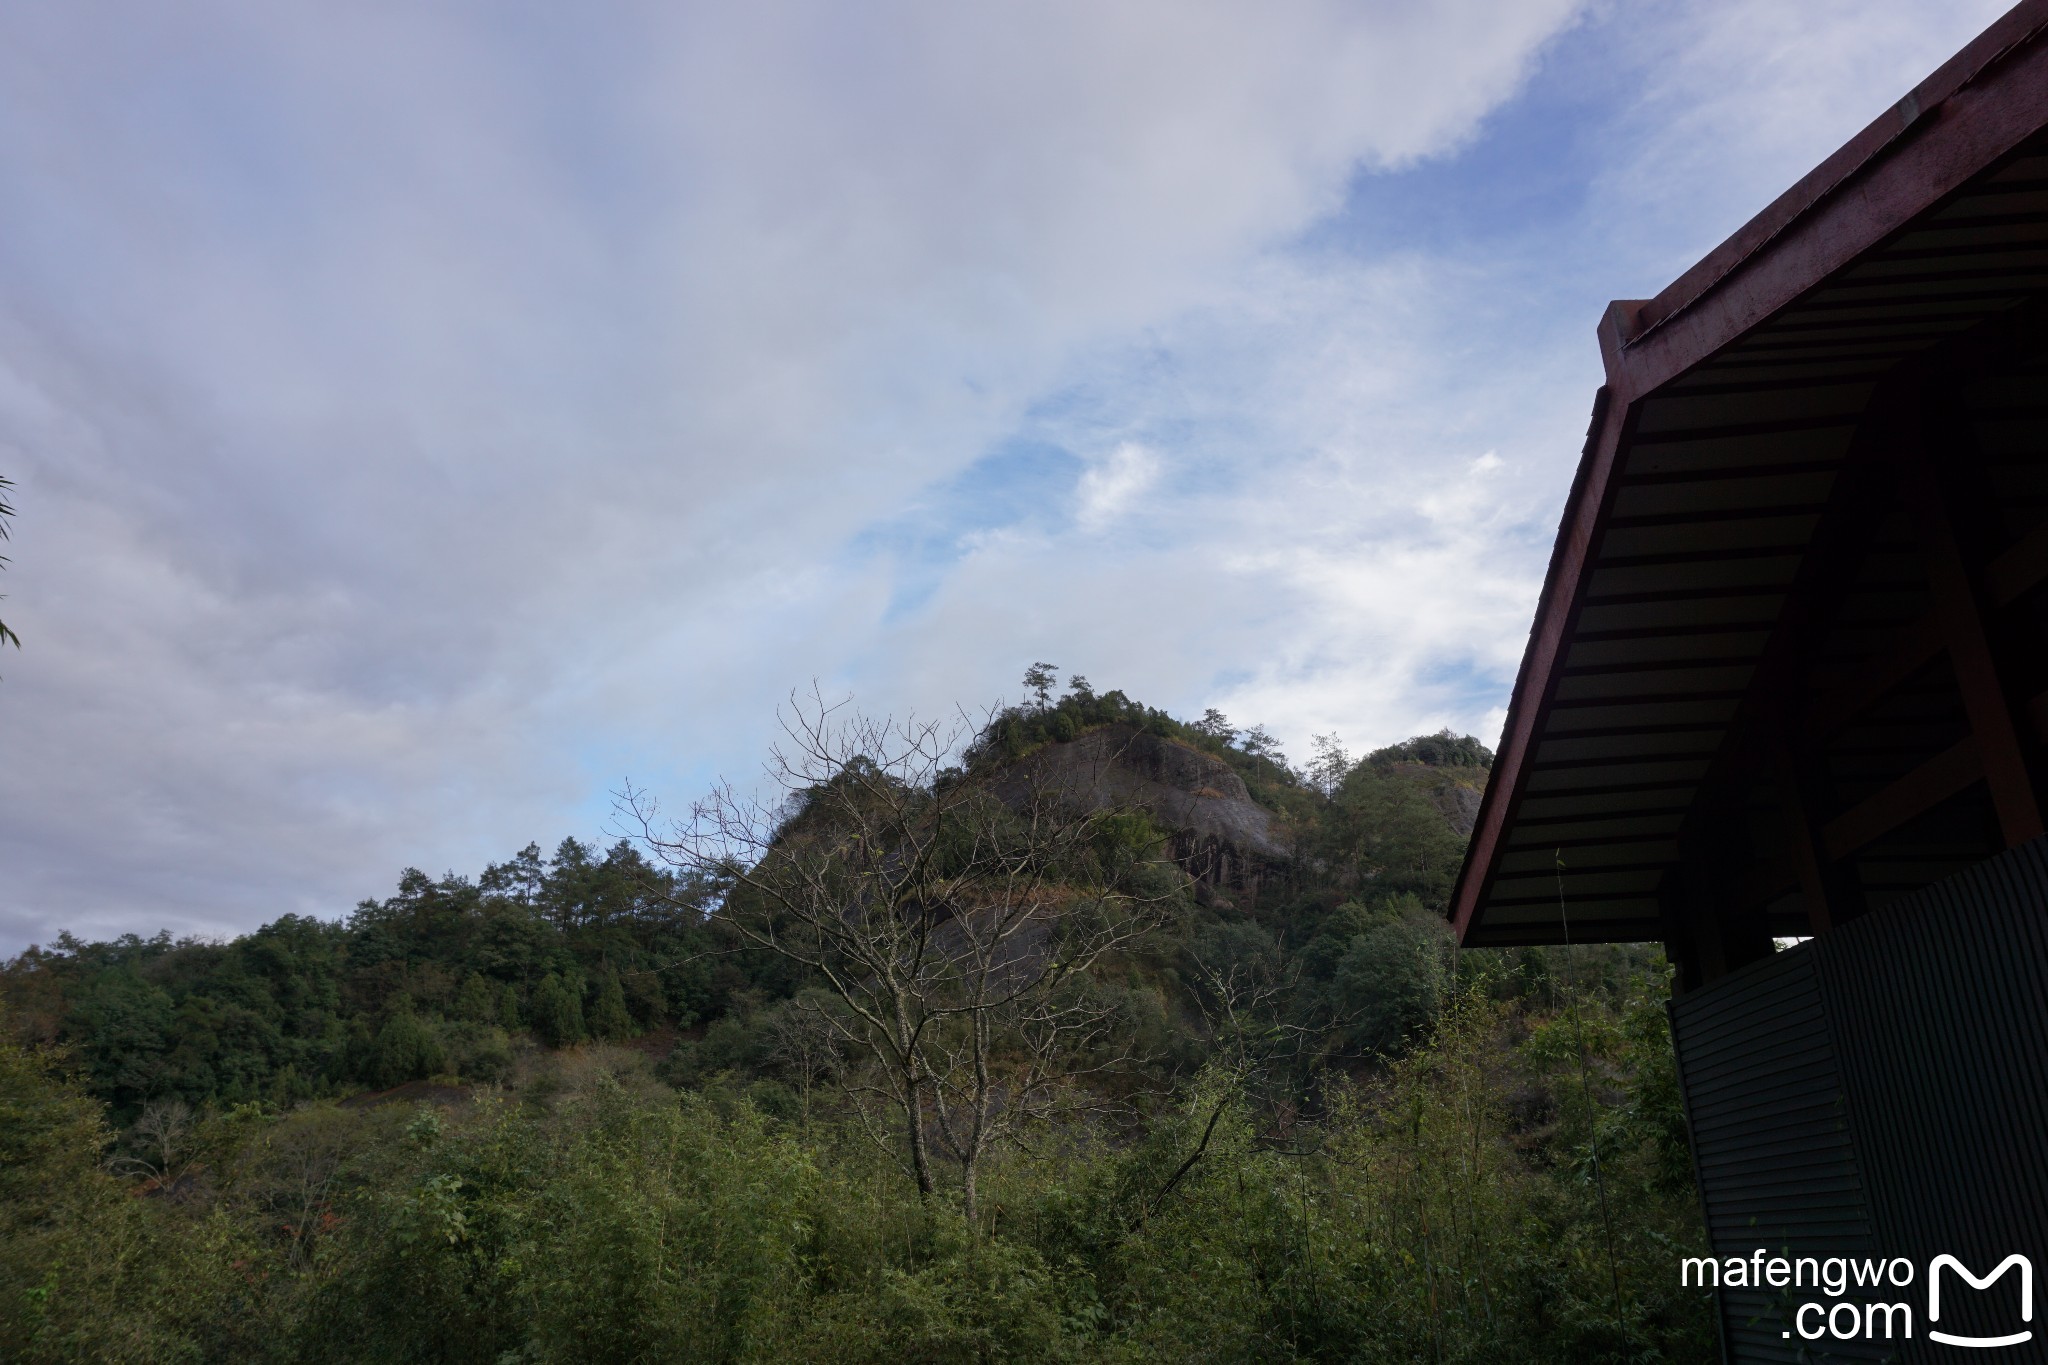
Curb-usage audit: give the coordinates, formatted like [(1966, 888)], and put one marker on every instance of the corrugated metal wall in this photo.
[(1883, 1089), (1777, 1165)]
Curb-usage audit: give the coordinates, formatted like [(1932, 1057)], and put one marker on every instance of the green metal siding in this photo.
[(1883, 1089)]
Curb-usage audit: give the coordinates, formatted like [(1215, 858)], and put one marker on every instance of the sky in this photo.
[(427, 417)]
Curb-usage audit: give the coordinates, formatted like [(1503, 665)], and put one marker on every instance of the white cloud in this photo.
[(1108, 489), (418, 411), (1739, 99), (1353, 536), (425, 416)]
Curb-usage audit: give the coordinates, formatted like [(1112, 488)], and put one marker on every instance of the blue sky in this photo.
[(425, 417)]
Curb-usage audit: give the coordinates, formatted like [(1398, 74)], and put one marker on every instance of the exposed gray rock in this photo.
[(1221, 835), (1460, 805)]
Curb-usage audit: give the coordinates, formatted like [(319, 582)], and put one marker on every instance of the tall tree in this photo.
[(608, 1018), (508, 1008), (1327, 768), (557, 1013), (954, 926), (1260, 743)]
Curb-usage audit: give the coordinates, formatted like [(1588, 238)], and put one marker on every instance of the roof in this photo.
[(1717, 446)]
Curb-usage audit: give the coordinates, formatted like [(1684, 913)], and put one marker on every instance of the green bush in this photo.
[(479, 1053), (1391, 978), (736, 1043), (405, 1050)]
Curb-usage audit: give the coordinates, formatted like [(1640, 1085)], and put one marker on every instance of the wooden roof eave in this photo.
[(1977, 107)]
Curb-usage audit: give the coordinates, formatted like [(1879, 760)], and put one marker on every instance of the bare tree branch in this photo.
[(955, 926)]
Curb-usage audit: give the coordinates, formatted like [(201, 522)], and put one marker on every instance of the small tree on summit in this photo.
[(1327, 769), (1039, 680), (1259, 743)]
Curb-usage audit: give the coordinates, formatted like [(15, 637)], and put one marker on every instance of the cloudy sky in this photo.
[(426, 416)]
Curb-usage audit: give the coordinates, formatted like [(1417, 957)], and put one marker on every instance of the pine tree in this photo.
[(557, 1013), (609, 1020), (1039, 680), (508, 1008)]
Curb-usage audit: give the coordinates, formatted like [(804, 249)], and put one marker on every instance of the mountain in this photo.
[(461, 977)]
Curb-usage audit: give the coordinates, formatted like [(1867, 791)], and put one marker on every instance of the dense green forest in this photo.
[(928, 1058)]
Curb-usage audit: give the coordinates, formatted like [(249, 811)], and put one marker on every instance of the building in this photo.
[(1788, 679)]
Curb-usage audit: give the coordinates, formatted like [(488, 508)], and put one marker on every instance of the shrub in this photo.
[(406, 1050)]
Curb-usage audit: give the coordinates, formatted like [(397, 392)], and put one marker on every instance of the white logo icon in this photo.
[(2026, 1298)]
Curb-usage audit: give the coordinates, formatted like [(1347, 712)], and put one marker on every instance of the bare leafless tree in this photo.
[(163, 1145), (1238, 999), (294, 1172), (807, 1044), (954, 919)]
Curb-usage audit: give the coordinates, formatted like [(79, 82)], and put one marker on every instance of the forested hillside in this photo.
[(1101, 1036)]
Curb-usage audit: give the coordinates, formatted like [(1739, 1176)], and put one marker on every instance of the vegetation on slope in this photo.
[(619, 1131)]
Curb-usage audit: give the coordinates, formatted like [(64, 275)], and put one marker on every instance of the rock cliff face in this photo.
[(1460, 805), (1455, 792), (1220, 835)]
